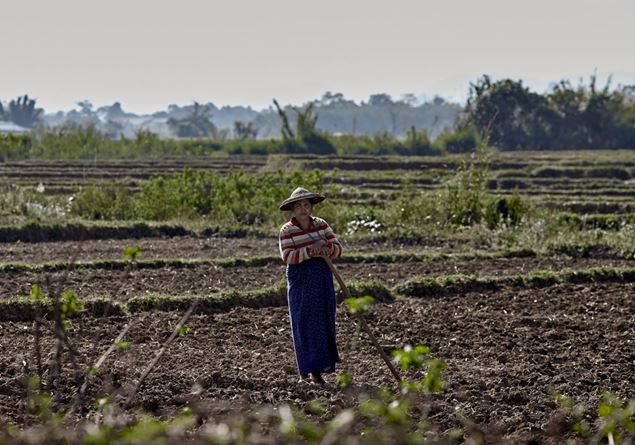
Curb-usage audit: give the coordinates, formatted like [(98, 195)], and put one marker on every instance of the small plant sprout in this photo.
[(344, 380), (70, 304), (359, 306), (409, 357), (315, 407), (433, 381), (39, 403), (122, 345), (616, 418), (36, 294), (576, 414), (415, 358), (184, 330), (132, 253)]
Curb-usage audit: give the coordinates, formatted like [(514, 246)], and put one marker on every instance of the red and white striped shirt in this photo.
[(294, 241)]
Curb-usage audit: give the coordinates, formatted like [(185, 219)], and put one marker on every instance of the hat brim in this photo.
[(313, 198)]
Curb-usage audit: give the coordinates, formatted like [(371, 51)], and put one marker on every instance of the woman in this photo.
[(304, 241)]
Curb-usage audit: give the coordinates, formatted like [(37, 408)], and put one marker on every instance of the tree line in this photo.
[(507, 113), (567, 117)]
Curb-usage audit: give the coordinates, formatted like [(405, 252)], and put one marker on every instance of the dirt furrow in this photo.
[(506, 353), (206, 279)]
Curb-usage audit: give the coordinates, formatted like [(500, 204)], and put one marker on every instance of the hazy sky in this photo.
[(149, 54)]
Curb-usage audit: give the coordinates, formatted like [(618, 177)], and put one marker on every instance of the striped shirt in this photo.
[(294, 242)]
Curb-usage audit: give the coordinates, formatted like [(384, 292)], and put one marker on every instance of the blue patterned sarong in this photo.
[(311, 298)]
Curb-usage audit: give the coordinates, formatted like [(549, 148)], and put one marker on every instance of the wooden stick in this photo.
[(362, 321), (103, 357), (160, 353)]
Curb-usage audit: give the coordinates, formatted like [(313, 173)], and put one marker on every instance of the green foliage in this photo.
[(512, 116), (368, 224), (568, 117), (426, 287), (131, 253), (617, 418), (36, 295), (463, 139), (417, 143), (184, 330), (306, 138), (99, 202), (433, 381), (466, 191), (122, 345), (344, 380), (394, 413), (359, 306), (72, 141), (70, 305), (508, 211), (234, 198), (39, 403), (14, 147), (410, 357)]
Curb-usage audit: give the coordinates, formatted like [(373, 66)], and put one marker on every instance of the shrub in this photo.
[(466, 191), (462, 140), (15, 147), (507, 210), (234, 198)]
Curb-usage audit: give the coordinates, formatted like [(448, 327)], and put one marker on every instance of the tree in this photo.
[(378, 100), (287, 133), (196, 124), (512, 116), (306, 136), (409, 99), (85, 107), (245, 131), (589, 117), (22, 111), (334, 100), (306, 121)]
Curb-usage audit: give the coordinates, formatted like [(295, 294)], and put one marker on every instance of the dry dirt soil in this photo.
[(506, 354)]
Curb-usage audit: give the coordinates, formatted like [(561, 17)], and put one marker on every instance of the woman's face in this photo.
[(302, 210)]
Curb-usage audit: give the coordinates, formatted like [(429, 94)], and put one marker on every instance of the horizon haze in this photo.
[(147, 55)]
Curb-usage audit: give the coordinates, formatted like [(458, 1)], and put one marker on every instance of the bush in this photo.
[(462, 140), (507, 210), (104, 203), (466, 192), (14, 147), (235, 198)]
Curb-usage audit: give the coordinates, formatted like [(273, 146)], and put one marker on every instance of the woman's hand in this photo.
[(319, 248)]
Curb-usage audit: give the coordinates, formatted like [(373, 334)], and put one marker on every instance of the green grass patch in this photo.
[(258, 261), (434, 287), (24, 309), (273, 296), (35, 232)]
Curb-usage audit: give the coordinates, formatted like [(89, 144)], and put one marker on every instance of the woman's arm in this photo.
[(335, 248), (288, 252)]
